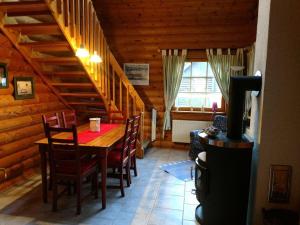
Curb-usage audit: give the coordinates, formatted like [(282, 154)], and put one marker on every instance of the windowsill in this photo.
[(194, 115), (198, 112)]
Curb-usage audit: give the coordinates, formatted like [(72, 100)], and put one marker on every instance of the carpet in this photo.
[(182, 170)]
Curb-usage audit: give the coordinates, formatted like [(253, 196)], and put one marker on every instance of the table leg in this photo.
[(43, 155), (103, 180)]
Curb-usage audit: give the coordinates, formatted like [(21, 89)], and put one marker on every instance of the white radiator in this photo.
[(153, 125), (181, 129)]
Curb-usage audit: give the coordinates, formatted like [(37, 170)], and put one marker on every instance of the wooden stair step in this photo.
[(24, 8), (35, 28), (80, 94), (67, 73), (48, 46), (57, 60), (87, 103), (73, 85)]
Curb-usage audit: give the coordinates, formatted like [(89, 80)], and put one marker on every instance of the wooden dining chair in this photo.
[(52, 119), (69, 118), (118, 159), (69, 164), (133, 142)]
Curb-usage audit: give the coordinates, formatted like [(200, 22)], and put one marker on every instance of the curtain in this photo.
[(221, 68), (173, 65), (250, 72)]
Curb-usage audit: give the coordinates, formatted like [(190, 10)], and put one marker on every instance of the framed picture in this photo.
[(24, 87), (138, 74), (3, 76), (280, 183)]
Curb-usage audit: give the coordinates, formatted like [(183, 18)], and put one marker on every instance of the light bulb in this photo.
[(82, 52), (95, 58)]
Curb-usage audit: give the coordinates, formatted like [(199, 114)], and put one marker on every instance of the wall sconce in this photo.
[(95, 58), (82, 52)]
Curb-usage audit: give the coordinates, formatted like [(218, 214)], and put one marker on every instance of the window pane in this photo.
[(210, 98), (185, 85), (209, 71), (187, 69), (198, 100), (183, 100), (199, 69), (198, 85)]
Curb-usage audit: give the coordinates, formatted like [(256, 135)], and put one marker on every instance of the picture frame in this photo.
[(24, 88), (280, 183), (4, 82), (137, 73)]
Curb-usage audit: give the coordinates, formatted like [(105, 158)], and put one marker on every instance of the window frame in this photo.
[(220, 109)]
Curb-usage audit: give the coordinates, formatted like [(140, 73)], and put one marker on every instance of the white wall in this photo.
[(275, 120)]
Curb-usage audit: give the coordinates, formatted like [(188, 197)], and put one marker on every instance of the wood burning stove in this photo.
[(223, 169)]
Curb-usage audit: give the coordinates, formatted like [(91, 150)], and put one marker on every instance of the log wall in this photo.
[(137, 31), (20, 120)]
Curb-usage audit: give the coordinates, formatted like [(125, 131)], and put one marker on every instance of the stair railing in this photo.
[(78, 21)]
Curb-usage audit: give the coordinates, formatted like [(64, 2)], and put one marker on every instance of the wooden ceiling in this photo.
[(149, 25), (136, 31)]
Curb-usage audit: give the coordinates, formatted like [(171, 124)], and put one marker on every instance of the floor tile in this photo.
[(189, 212), (170, 202), (165, 217), (154, 198)]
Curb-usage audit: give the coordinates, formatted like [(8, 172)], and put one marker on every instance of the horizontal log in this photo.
[(184, 44), (14, 147), (18, 157), (20, 168), (16, 111), (11, 136), (23, 121), (40, 97)]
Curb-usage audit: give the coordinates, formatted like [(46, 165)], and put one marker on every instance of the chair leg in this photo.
[(96, 184), (134, 165), (54, 195), (79, 186), (128, 180), (122, 182)]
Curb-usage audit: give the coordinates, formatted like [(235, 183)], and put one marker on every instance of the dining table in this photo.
[(92, 143)]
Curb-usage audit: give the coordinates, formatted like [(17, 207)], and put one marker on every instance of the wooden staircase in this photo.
[(48, 33)]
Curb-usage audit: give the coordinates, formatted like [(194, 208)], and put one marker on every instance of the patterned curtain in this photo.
[(173, 64), (221, 68)]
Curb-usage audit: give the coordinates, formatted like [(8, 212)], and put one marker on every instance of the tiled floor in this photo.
[(154, 198)]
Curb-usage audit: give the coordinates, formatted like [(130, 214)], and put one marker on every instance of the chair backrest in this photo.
[(64, 153), (69, 119), (126, 140), (53, 120), (134, 132), (220, 122)]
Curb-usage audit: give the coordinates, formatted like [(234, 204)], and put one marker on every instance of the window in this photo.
[(198, 86)]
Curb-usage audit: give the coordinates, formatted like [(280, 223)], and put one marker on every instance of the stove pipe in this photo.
[(238, 87)]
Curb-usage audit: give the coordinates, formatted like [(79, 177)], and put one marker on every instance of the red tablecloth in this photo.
[(87, 135)]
